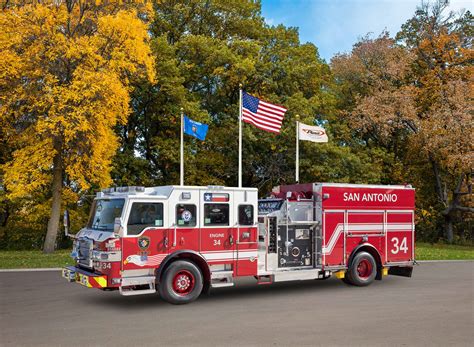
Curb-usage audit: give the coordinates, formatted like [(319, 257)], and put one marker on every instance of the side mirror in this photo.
[(118, 226), (66, 224)]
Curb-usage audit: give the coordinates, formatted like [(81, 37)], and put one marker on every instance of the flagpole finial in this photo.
[(182, 109), (240, 85), (297, 117)]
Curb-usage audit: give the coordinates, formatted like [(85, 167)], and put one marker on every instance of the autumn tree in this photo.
[(417, 97), (442, 75), (65, 79), (206, 50)]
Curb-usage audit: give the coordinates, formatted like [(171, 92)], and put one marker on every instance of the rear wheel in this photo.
[(362, 271), (181, 283)]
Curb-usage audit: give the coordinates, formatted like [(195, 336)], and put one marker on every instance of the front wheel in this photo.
[(362, 271), (181, 283)]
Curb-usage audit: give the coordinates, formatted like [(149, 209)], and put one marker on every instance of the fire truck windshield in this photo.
[(104, 212)]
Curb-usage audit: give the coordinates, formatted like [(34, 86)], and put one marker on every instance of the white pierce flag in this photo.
[(307, 133), (312, 133)]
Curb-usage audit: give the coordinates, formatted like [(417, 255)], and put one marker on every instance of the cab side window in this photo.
[(216, 214), (185, 215), (246, 214), (144, 215)]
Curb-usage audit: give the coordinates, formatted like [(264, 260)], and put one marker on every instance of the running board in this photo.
[(223, 284), (130, 292), (296, 275), (221, 279), (262, 280), (128, 285)]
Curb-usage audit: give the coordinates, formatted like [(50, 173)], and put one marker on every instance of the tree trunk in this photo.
[(53, 223), (448, 228)]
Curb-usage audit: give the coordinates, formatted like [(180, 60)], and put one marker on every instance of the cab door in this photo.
[(184, 231), (146, 236), (218, 236), (247, 240)]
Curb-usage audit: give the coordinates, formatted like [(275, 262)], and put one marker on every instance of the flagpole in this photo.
[(297, 164), (240, 135), (181, 164)]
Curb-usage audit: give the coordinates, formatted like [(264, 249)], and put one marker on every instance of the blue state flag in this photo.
[(196, 129)]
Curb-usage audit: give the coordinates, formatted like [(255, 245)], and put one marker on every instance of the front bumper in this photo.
[(87, 279)]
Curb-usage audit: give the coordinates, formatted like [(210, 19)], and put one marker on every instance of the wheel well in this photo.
[(192, 257), (373, 252)]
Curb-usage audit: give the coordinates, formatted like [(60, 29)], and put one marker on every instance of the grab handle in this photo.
[(174, 236)]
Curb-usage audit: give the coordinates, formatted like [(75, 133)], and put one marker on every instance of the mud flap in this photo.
[(404, 271)]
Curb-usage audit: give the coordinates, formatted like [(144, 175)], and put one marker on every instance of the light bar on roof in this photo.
[(130, 189)]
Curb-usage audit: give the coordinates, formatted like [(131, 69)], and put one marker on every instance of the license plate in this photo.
[(69, 275), (82, 279)]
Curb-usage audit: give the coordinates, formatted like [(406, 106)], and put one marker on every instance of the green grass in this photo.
[(36, 259), (427, 251)]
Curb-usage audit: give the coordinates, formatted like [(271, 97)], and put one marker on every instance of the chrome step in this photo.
[(137, 280), (129, 292), (223, 284), (296, 275), (221, 274), (128, 283), (222, 279), (262, 280)]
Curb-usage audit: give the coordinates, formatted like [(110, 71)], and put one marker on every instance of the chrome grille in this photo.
[(84, 252)]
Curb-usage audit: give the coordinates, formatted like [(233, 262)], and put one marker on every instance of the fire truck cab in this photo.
[(184, 240), (179, 239)]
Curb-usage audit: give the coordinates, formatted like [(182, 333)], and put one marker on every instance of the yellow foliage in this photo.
[(65, 78)]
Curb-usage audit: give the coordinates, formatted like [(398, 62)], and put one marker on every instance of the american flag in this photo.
[(262, 114)]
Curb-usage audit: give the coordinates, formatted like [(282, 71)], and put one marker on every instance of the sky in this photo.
[(335, 25)]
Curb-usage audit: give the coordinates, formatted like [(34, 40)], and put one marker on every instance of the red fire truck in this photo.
[(184, 240)]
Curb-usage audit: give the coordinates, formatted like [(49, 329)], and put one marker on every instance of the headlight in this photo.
[(74, 253)]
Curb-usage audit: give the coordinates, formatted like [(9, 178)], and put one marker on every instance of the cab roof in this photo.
[(163, 191)]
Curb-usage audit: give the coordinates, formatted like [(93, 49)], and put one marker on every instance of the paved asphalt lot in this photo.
[(435, 307)]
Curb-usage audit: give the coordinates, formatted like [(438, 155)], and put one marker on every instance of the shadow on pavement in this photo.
[(244, 289)]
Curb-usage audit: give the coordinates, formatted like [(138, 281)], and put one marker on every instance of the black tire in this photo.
[(181, 283), (362, 271)]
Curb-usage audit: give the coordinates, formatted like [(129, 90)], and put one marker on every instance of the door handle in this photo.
[(166, 242), (174, 236), (231, 240)]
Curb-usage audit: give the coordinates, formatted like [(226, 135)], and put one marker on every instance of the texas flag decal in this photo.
[(216, 197)]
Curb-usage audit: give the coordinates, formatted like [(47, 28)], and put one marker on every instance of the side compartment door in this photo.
[(400, 236), (247, 240), (184, 232), (333, 237), (363, 224), (145, 243), (218, 237)]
